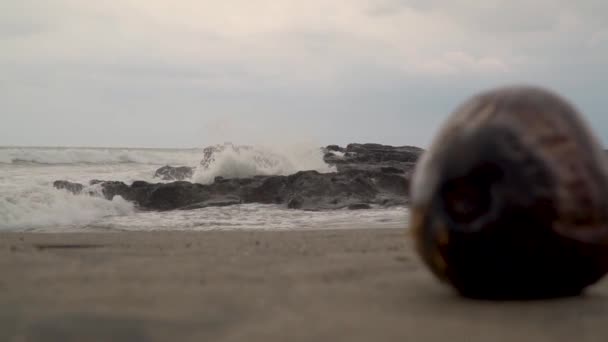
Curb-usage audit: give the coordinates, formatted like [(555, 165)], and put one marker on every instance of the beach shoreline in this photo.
[(346, 284)]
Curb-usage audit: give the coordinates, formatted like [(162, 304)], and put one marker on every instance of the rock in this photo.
[(335, 148), (138, 184), (216, 202), (390, 169), (115, 188), (270, 190), (316, 191), (174, 195), (294, 203), (174, 173), (382, 153), (74, 188), (368, 174), (359, 206), (391, 183), (306, 190), (373, 157)]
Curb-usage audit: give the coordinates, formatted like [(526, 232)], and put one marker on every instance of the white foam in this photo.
[(256, 217), (43, 206), (232, 161), (20, 155), (28, 201)]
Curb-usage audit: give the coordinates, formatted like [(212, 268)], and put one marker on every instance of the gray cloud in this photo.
[(143, 73)]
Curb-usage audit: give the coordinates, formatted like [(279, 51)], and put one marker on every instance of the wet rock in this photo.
[(335, 148), (368, 174), (390, 169), (216, 202), (174, 173), (74, 188), (373, 157), (359, 206)]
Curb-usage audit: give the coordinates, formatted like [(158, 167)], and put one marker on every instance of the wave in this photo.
[(234, 161), (39, 206), (55, 156)]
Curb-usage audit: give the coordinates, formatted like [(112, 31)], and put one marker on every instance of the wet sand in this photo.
[(342, 285)]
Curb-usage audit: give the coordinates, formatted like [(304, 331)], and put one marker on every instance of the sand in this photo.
[(341, 285)]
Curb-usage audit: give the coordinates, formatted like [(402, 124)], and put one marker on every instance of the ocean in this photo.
[(29, 202)]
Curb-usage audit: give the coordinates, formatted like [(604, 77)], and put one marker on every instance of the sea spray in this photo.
[(240, 161), (28, 201), (42, 206)]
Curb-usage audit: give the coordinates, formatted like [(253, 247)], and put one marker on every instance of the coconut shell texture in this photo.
[(511, 199)]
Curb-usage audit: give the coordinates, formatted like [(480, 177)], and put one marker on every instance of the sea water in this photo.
[(28, 201)]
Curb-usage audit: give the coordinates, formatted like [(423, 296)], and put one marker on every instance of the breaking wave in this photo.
[(40, 206), (234, 161), (28, 200)]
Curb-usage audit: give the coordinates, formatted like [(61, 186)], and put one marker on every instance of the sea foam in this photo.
[(234, 161), (28, 201), (42, 206)]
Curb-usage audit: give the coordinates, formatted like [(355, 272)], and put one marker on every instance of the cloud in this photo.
[(316, 34), (383, 70), (598, 39), (455, 62)]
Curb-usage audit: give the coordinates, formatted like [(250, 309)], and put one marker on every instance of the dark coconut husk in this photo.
[(511, 200)]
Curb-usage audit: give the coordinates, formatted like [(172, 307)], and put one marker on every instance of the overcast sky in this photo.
[(185, 73)]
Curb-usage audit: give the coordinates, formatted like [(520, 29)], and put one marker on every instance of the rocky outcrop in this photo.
[(372, 157), (74, 188), (307, 190), (169, 173), (368, 175)]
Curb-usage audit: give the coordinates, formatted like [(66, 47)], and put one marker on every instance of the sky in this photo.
[(189, 73)]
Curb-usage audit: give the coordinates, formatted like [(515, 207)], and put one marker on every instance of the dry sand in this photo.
[(344, 285)]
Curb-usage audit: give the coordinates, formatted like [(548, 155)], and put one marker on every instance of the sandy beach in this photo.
[(340, 285)]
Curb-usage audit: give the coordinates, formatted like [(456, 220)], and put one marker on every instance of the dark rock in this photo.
[(294, 203), (271, 190), (335, 148), (75, 188), (115, 188), (174, 195), (391, 183), (316, 191), (392, 201), (367, 174), (174, 173), (390, 169), (216, 202), (138, 184), (359, 206), (382, 153), (373, 157), (306, 190)]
